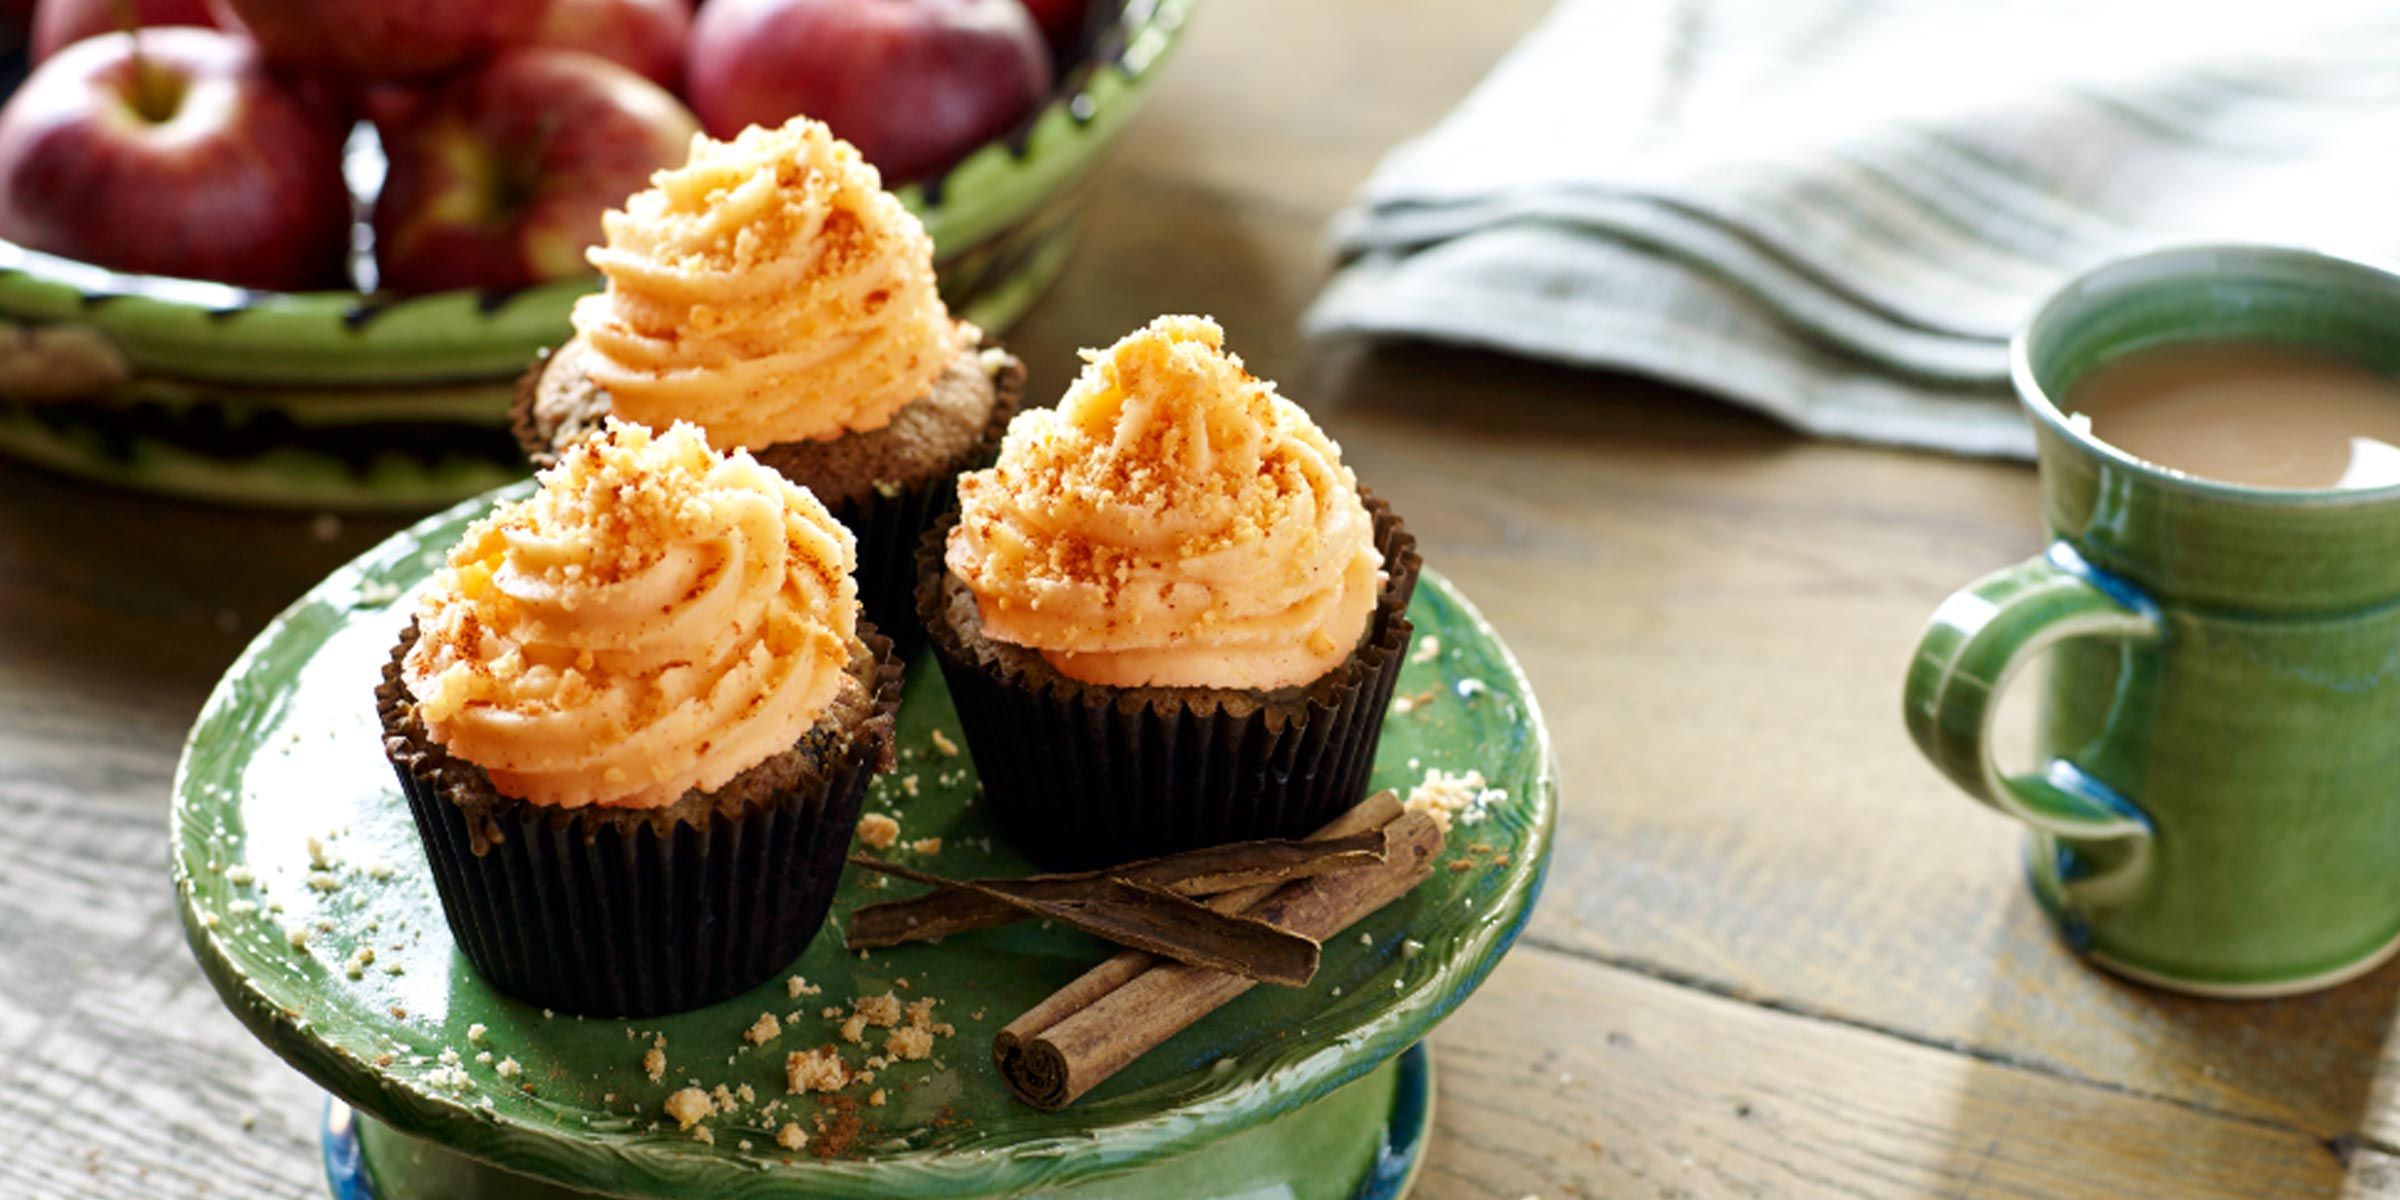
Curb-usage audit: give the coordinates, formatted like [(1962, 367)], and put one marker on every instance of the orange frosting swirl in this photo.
[(1174, 522), (657, 618), (768, 290)]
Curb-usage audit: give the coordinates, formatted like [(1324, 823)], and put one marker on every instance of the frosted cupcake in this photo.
[(772, 293), (1168, 616), (635, 716)]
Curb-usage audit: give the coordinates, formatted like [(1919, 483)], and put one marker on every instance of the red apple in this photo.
[(646, 36), (1062, 24), (57, 23), (174, 154), (388, 105), (913, 84), (381, 39), (499, 180)]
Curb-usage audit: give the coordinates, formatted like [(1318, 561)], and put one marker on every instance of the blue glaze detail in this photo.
[(1404, 1136), (2065, 865), (2067, 558), (2075, 781), (345, 1171)]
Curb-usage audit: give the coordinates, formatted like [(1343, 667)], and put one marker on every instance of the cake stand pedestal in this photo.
[(307, 901), (1379, 1123)]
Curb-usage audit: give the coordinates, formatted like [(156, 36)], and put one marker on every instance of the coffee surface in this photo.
[(2256, 413)]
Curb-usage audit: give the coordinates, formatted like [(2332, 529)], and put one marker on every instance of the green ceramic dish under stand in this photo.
[(294, 855), (344, 400)]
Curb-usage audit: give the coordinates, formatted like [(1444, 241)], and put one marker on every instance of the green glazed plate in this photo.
[(293, 852)]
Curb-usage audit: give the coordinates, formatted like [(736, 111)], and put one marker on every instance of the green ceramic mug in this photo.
[(2216, 807)]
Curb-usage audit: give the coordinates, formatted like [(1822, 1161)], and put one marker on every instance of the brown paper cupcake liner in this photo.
[(887, 524), (604, 913), (1081, 776), (888, 528)]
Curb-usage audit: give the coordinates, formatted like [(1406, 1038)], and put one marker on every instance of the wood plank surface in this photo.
[(1657, 1092), (1777, 956)]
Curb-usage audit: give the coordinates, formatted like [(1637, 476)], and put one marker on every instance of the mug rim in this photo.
[(2196, 260)]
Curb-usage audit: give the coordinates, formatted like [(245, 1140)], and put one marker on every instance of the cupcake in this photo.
[(1168, 616), (635, 717), (772, 293)]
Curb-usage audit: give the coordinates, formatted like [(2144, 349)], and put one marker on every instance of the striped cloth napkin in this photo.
[(1836, 211)]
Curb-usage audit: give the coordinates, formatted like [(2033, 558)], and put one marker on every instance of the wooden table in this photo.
[(1777, 957)]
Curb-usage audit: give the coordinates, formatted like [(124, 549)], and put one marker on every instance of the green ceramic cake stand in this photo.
[(363, 401), (306, 898)]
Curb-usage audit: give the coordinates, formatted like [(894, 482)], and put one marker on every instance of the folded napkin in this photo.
[(1836, 211)]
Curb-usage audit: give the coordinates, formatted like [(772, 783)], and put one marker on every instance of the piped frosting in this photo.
[(657, 618), (768, 290), (1173, 522)]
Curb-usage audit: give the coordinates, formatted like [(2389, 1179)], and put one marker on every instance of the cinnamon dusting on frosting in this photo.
[(769, 290), (1174, 522), (657, 618)]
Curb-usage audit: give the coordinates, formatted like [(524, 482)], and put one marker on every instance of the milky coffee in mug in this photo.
[(2257, 413)]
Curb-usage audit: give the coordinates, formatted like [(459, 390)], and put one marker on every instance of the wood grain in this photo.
[(120, 1073), (1655, 1091), (1777, 957)]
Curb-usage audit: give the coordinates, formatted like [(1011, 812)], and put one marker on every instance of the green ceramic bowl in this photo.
[(336, 399), (1286, 1092)]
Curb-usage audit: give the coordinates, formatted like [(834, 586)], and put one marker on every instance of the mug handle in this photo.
[(1976, 642)]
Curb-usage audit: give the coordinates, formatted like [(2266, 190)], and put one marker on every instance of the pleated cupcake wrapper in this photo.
[(1081, 776), (604, 916), (887, 526)]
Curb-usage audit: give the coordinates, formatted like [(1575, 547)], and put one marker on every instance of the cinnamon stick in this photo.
[(1148, 917), (1215, 870), (1369, 815), (1095, 1026)]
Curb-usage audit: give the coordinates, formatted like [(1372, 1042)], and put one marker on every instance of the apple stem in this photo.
[(154, 103)]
